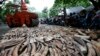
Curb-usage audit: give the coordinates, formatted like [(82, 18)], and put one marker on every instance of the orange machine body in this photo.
[(21, 17)]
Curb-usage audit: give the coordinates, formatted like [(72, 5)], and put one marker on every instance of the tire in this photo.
[(10, 24), (35, 22)]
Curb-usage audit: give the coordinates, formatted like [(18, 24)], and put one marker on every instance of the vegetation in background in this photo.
[(27, 1), (5, 8), (66, 4), (45, 12), (58, 5)]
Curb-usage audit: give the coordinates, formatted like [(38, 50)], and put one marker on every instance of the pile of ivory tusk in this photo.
[(48, 40)]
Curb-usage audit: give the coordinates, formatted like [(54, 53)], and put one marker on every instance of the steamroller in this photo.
[(22, 17)]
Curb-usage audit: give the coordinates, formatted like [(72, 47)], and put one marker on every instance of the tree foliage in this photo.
[(67, 3), (27, 1), (54, 11), (5, 9), (45, 12)]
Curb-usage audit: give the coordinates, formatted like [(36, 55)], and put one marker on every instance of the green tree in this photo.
[(67, 3), (6, 8), (45, 12), (27, 1), (54, 11)]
